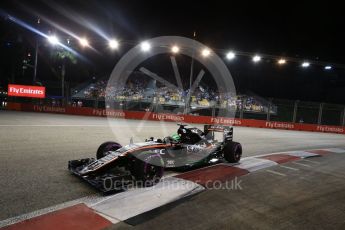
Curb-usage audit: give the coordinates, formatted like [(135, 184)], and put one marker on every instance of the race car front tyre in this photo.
[(148, 169), (232, 152), (104, 148)]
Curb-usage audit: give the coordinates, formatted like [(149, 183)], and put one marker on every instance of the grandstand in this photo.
[(139, 93)]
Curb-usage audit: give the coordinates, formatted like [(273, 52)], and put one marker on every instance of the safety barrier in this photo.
[(176, 118)]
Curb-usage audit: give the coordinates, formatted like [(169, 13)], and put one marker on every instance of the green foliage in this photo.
[(64, 55)]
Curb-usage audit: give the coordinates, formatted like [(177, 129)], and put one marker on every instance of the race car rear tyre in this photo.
[(148, 169), (232, 152), (104, 148)]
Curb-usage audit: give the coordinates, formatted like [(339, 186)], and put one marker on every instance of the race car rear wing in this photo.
[(227, 131)]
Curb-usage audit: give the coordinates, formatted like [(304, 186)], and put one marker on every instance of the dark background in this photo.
[(310, 30)]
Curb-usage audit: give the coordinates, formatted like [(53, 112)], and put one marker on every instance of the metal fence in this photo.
[(309, 112), (275, 110)]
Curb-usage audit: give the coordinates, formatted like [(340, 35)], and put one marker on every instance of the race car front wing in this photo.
[(109, 181)]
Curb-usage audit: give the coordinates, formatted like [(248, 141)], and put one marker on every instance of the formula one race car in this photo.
[(116, 167)]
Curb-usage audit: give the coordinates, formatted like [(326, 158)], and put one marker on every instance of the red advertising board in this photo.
[(26, 91), (177, 118)]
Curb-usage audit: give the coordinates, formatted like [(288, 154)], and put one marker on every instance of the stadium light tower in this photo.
[(256, 58), (305, 64), (205, 52), (281, 61), (53, 40), (83, 42), (231, 55), (145, 46), (113, 44), (175, 49)]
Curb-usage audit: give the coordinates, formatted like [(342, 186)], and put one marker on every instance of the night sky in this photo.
[(311, 30)]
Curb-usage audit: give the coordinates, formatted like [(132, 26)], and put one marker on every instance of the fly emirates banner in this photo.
[(26, 91)]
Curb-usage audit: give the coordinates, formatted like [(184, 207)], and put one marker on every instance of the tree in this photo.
[(63, 56)]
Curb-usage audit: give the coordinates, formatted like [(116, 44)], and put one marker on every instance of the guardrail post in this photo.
[(241, 108), (156, 107), (187, 106), (295, 109), (269, 110), (319, 120)]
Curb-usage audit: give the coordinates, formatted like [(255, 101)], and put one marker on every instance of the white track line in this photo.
[(286, 167), (133, 202), (335, 150), (314, 162), (290, 153), (254, 164), (296, 163), (276, 173)]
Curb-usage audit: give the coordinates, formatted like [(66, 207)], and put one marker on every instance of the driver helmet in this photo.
[(175, 137)]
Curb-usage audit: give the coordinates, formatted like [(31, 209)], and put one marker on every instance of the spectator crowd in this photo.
[(137, 90)]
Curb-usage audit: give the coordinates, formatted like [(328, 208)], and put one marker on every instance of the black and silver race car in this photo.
[(116, 166)]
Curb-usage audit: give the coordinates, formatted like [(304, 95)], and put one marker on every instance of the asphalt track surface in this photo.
[(294, 195), (35, 149)]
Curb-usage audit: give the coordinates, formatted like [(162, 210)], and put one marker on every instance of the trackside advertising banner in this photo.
[(177, 118), (26, 91)]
